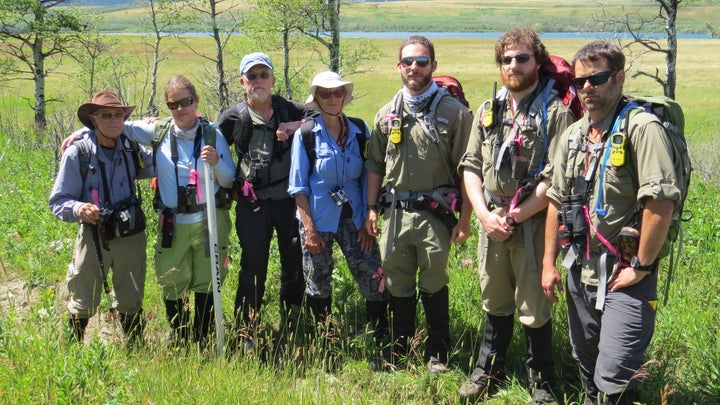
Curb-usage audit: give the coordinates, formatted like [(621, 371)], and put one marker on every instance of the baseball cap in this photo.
[(253, 59)]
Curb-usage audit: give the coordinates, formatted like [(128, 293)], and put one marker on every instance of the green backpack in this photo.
[(671, 115)]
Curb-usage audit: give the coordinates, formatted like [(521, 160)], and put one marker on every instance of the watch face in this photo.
[(635, 262)]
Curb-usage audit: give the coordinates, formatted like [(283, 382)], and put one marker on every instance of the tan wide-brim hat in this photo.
[(105, 98), (329, 80)]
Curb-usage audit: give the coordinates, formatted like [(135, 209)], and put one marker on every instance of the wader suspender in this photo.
[(597, 151), (542, 128)]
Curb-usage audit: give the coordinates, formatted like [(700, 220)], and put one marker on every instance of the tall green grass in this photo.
[(41, 367)]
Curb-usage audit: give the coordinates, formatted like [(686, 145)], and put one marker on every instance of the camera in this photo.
[(106, 215), (107, 225), (338, 195)]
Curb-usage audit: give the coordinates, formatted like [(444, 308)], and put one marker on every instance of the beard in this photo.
[(519, 81), (417, 83)]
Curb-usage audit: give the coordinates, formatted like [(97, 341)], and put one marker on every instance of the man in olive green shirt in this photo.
[(417, 150), (506, 170), (611, 304)]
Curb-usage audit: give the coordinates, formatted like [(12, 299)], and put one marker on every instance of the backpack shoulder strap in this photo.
[(245, 128), (209, 132), (361, 136), (308, 139), (134, 149), (160, 130), (83, 146)]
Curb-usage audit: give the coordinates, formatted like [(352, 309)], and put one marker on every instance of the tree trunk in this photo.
[(39, 79), (286, 63), (334, 11), (671, 54), (222, 88)]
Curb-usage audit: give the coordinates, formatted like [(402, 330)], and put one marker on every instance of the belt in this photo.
[(198, 208), (409, 205)]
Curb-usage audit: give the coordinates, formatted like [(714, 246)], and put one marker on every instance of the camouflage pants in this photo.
[(364, 266)]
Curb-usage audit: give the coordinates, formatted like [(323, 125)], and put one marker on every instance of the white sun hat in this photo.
[(329, 80)]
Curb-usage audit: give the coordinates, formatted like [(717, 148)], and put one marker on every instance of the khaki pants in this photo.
[(125, 269)]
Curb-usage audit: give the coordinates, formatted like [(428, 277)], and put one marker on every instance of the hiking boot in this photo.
[(479, 385), (436, 366), (541, 394), (540, 388)]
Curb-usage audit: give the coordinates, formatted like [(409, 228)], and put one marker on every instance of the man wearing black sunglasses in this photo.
[(611, 308), (506, 170), (260, 128), (416, 144)]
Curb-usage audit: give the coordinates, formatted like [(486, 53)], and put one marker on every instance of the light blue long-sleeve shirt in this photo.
[(143, 132), (333, 168), (70, 191)]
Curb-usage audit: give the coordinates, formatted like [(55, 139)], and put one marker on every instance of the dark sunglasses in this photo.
[(325, 95), (186, 102), (252, 76), (108, 115), (521, 58), (595, 79), (421, 60)]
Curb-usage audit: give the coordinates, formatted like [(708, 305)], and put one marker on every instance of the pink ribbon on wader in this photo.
[(379, 274), (195, 180)]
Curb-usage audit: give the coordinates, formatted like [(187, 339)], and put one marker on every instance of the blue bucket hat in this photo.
[(252, 59)]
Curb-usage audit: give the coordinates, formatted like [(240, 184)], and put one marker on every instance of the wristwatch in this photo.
[(511, 221), (635, 264), (373, 207)]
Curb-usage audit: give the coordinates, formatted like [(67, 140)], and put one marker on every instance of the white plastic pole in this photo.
[(214, 256)]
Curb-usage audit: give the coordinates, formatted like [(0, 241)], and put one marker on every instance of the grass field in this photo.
[(466, 15), (39, 366)]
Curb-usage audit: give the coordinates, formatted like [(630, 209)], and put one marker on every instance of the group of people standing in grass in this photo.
[(317, 177)]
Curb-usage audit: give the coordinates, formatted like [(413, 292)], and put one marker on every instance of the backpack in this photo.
[(309, 140), (560, 70), (453, 86), (671, 115), (83, 145), (285, 110)]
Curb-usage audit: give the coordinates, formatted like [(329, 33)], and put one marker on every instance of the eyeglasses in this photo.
[(520, 58), (325, 95), (421, 60), (186, 102), (252, 76), (109, 115), (594, 79)]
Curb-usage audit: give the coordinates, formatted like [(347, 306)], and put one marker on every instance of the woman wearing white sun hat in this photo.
[(327, 179)]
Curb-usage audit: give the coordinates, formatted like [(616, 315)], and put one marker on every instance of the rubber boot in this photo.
[(204, 315), (402, 311), (377, 317), (133, 326), (490, 365), (247, 320), (540, 363), (588, 385), (437, 315), (319, 308), (178, 316), (77, 327)]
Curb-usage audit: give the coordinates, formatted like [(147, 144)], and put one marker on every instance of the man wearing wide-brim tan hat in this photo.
[(97, 174)]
